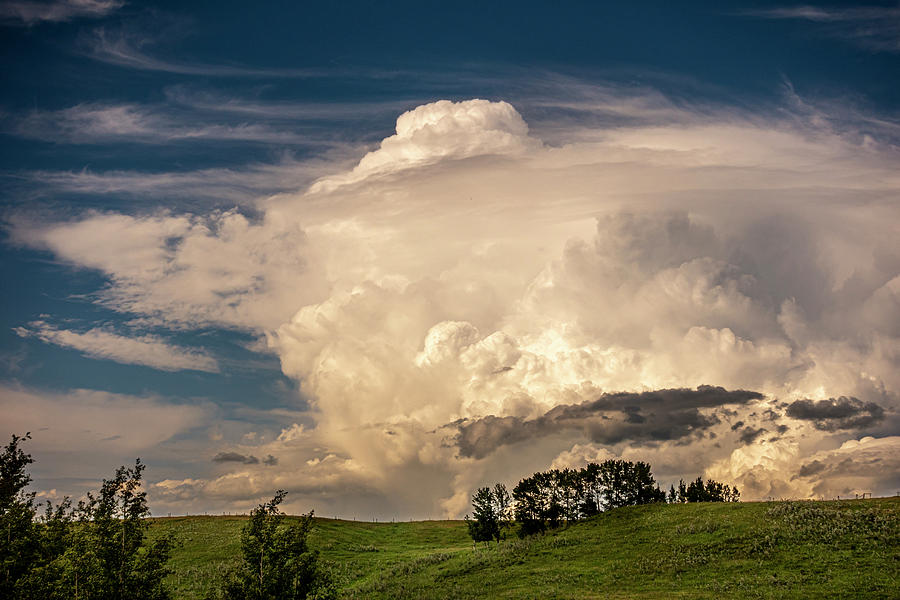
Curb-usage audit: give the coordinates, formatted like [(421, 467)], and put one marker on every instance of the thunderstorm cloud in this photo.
[(659, 415), (479, 297)]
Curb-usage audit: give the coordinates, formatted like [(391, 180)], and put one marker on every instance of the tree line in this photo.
[(550, 499), (98, 549)]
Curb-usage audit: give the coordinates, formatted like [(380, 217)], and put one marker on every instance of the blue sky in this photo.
[(219, 241)]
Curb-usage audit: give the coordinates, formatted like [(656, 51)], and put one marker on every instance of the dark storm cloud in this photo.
[(812, 468), (837, 413), (749, 434), (848, 467), (660, 415), (226, 457)]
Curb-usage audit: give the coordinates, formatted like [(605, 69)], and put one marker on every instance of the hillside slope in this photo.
[(843, 549)]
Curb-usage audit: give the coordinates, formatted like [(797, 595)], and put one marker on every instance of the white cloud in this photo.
[(439, 131), (98, 422), (465, 268), (784, 470), (147, 350), (55, 11), (80, 436), (179, 270)]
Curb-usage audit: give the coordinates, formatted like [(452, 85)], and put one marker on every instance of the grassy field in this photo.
[(845, 549)]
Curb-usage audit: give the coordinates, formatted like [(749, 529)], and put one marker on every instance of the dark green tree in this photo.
[(98, 550), (626, 483), (277, 561), (503, 504), (709, 491), (591, 490), (571, 487), (95, 551), (484, 526), (19, 546), (530, 501), (672, 496)]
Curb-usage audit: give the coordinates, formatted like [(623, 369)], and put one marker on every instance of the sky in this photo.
[(381, 254)]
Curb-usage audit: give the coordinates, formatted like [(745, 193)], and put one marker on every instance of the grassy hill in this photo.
[(844, 549)]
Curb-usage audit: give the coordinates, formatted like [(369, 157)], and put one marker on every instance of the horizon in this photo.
[(379, 257)]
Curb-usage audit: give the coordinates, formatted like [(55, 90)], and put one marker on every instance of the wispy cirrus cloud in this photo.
[(146, 350), (125, 50), (212, 101), (99, 123), (55, 11), (876, 28), (222, 186)]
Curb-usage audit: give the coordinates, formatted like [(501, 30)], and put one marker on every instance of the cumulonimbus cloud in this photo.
[(466, 268)]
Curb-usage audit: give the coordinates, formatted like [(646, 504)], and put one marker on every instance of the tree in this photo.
[(625, 483), (94, 551), (98, 551), (484, 526), (503, 504), (277, 561), (710, 491), (19, 545), (530, 501), (592, 490)]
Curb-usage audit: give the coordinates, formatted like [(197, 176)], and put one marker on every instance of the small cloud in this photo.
[(835, 414), (234, 457), (749, 434), (812, 468), (270, 461), (294, 432)]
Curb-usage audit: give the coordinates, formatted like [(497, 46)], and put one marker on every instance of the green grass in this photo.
[(846, 549)]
